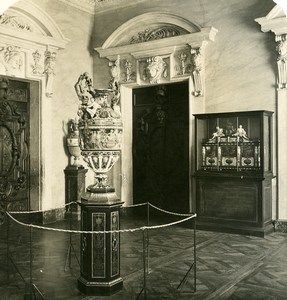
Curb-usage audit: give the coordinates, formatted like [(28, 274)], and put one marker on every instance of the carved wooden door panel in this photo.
[(14, 148), (160, 146)]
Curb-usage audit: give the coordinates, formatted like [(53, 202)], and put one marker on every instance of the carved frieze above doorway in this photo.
[(171, 48), (29, 41)]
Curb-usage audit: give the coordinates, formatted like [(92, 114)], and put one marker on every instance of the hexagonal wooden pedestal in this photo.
[(100, 253)]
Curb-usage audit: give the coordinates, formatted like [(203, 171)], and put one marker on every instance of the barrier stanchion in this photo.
[(148, 270), (194, 254), (8, 247), (32, 287), (71, 246), (146, 245), (193, 265)]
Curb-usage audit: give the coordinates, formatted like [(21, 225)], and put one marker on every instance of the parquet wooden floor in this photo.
[(229, 266)]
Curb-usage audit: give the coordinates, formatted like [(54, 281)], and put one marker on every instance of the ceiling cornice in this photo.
[(99, 6), (84, 5)]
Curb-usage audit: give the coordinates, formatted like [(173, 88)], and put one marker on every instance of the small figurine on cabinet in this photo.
[(217, 133), (241, 133)]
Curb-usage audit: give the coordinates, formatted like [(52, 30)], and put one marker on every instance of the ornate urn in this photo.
[(73, 142), (100, 134)]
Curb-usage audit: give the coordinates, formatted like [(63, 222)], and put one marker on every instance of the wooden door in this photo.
[(14, 144), (160, 146)]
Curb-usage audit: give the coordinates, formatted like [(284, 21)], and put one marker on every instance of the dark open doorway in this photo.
[(160, 146)]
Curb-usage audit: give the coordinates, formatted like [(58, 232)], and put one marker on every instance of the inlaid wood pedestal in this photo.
[(100, 253)]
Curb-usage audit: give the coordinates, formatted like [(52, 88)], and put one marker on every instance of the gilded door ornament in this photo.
[(197, 62), (156, 69), (50, 62), (281, 48)]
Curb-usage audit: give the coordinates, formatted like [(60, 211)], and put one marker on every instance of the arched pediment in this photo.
[(148, 27), (28, 22), (29, 41), (160, 33), (158, 48)]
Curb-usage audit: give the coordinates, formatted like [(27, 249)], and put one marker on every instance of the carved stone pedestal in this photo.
[(75, 184), (100, 253)]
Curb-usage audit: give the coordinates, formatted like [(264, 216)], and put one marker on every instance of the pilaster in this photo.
[(276, 22)]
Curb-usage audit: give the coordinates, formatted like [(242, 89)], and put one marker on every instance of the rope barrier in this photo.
[(135, 205), (101, 232), (168, 212), (37, 211), (67, 204)]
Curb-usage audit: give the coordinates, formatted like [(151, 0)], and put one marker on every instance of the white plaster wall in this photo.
[(75, 59)]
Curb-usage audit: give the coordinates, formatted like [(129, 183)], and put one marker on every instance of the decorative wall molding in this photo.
[(29, 41), (166, 54)]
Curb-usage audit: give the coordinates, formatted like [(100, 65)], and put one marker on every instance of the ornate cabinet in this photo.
[(234, 171)]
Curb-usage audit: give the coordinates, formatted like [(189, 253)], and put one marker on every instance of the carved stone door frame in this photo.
[(29, 42), (171, 50)]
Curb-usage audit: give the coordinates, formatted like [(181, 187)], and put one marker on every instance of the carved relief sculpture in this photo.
[(155, 34), (130, 74), (156, 69), (15, 22), (50, 61), (184, 67), (281, 62), (11, 59), (197, 62), (115, 72), (37, 68)]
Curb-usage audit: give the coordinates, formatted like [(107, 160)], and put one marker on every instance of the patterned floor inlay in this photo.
[(229, 266)]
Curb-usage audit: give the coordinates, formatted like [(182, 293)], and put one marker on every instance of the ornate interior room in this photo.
[(142, 150)]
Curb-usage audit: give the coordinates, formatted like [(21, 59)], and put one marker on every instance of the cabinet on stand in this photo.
[(234, 172)]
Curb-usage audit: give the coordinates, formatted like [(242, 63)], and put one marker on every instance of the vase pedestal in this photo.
[(100, 253), (75, 184)]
